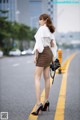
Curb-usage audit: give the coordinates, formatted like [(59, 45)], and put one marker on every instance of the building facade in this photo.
[(31, 9), (28, 11), (11, 7)]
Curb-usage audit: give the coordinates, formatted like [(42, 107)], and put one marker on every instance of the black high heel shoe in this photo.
[(46, 106), (40, 107)]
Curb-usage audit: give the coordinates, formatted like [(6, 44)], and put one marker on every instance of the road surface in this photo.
[(17, 91)]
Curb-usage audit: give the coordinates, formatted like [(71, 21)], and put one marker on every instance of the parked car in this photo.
[(1, 53), (16, 52), (27, 52), (24, 52)]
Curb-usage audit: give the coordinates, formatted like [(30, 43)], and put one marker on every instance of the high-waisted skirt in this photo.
[(45, 58)]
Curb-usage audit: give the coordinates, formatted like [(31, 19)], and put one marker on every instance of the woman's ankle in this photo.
[(38, 103), (45, 100)]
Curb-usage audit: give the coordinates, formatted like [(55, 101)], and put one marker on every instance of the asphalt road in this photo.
[(17, 91)]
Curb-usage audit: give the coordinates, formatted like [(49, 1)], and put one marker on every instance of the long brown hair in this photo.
[(49, 24)]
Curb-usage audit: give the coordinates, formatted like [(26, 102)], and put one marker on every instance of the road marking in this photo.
[(59, 114), (15, 65), (29, 61)]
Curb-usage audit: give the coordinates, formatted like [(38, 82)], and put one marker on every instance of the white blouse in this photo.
[(43, 38)]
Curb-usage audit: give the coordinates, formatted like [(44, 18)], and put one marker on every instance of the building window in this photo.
[(51, 6), (48, 9), (48, 3), (3, 1)]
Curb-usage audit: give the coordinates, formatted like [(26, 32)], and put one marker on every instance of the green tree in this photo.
[(12, 31)]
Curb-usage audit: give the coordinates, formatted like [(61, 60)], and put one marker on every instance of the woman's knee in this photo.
[(46, 78), (37, 77)]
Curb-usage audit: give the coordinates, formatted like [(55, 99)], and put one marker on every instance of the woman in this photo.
[(42, 58)]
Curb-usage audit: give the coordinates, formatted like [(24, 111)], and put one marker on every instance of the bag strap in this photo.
[(52, 76)]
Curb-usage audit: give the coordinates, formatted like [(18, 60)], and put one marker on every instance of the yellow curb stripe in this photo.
[(59, 114)]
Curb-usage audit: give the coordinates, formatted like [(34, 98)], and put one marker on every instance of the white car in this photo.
[(24, 52), (1, 53), (27, 52), (16, 52)]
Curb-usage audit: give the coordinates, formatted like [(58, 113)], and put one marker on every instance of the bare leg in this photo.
[(47, 82), (38, 72)]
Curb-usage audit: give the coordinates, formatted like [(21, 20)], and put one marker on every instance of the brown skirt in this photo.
[(45, 58)]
